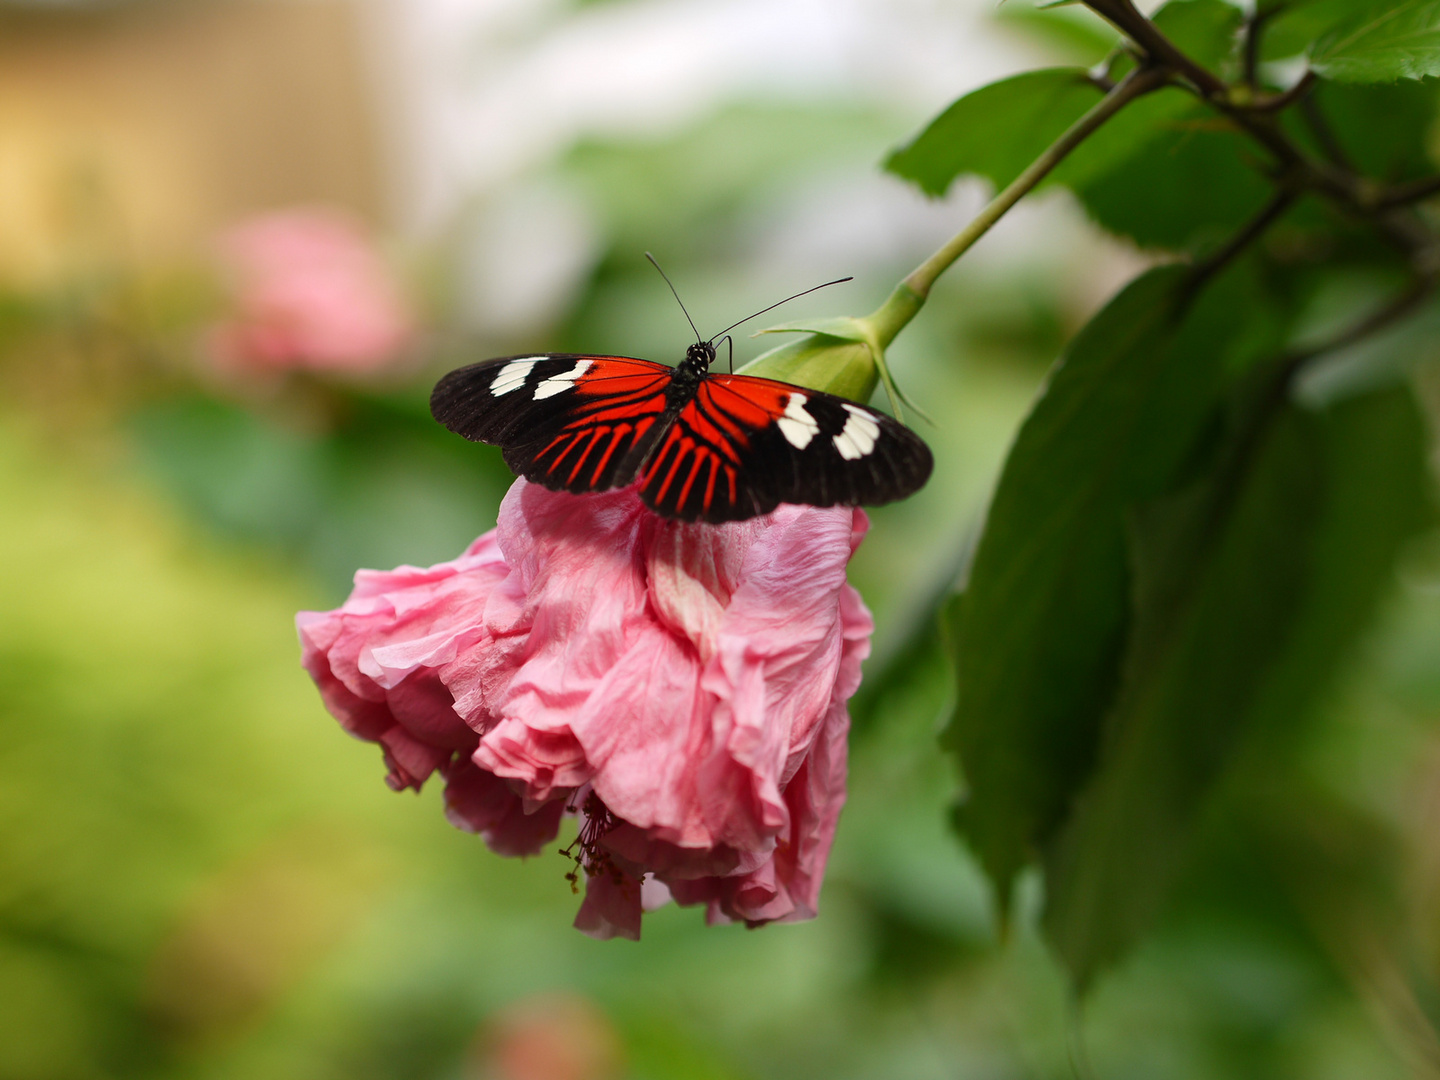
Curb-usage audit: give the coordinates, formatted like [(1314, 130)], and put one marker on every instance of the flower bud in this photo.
[(844, 355), (834, 363)]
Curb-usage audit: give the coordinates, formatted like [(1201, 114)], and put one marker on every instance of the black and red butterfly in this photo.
[(702, 446)]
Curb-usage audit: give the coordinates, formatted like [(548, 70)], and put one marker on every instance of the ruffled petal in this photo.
[(611, 908), (480, 802), (691, 680)]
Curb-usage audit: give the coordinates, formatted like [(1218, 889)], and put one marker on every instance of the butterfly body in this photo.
[(702, 446)]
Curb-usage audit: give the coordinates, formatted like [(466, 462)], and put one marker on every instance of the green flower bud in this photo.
[(823, 362), (844, 356)]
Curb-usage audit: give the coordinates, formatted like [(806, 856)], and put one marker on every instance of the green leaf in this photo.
[(1205, 30), (1306, 21), (1037, 639), (996, 131), (1379, 496), (1250, 586), (1076, 33), (1382, 128), (1182, 178), (1218, 577), (845, 327), (1293, 26), (1382, 42), (1112, 145)]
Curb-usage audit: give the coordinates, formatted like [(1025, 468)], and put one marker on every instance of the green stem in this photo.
[(1411, 192), (1161, 50), (910, 294), (1252, 231), (1337, 180)]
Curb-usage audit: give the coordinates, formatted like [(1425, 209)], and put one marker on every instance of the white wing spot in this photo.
[(513, 375), (563, 381), (797, 425), (859, 435)]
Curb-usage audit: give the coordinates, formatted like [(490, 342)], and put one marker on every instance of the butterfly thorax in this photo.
[(689, 374), (698, 358)]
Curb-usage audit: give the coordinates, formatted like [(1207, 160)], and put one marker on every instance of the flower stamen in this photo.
[(585, 850)]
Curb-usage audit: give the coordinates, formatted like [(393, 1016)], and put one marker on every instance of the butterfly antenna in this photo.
[(677, 296), (773, 306)]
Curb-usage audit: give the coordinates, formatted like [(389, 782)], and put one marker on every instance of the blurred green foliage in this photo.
[(1196, 647), (1183, 549), (203, 879)]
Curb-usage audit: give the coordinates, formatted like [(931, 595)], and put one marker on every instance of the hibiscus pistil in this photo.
[(585, 850)]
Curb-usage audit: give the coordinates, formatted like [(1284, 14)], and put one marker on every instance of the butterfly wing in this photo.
[(572, 422), (742, 445)]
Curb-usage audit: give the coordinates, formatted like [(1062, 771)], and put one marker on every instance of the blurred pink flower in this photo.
[(308, 290), (681, 688), (553, 1036)]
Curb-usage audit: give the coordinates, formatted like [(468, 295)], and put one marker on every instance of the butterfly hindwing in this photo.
[(571, 422), (743, 445)]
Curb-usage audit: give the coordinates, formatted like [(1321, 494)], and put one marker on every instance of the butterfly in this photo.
[(701, 445)]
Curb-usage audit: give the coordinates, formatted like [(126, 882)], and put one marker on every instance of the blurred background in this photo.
[(239, 239)]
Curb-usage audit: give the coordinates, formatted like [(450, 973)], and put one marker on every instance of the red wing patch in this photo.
[(744, 445), (570, 422), (608, 417), (699, 468)]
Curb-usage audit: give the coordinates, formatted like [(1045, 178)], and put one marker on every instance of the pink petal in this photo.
[(373, 658), (611, 908), (481, 802), (778, 656), (576, 558), (308, 289)]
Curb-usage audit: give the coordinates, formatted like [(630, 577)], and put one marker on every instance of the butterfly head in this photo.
[(700, 356)]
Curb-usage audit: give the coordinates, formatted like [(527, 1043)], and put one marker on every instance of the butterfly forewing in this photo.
[(570, 422)]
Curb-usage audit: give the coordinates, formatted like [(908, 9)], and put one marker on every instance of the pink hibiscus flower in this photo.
[(308, 290), (680, 688)]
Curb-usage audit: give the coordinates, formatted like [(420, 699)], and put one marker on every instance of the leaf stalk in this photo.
[(909, 296)]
